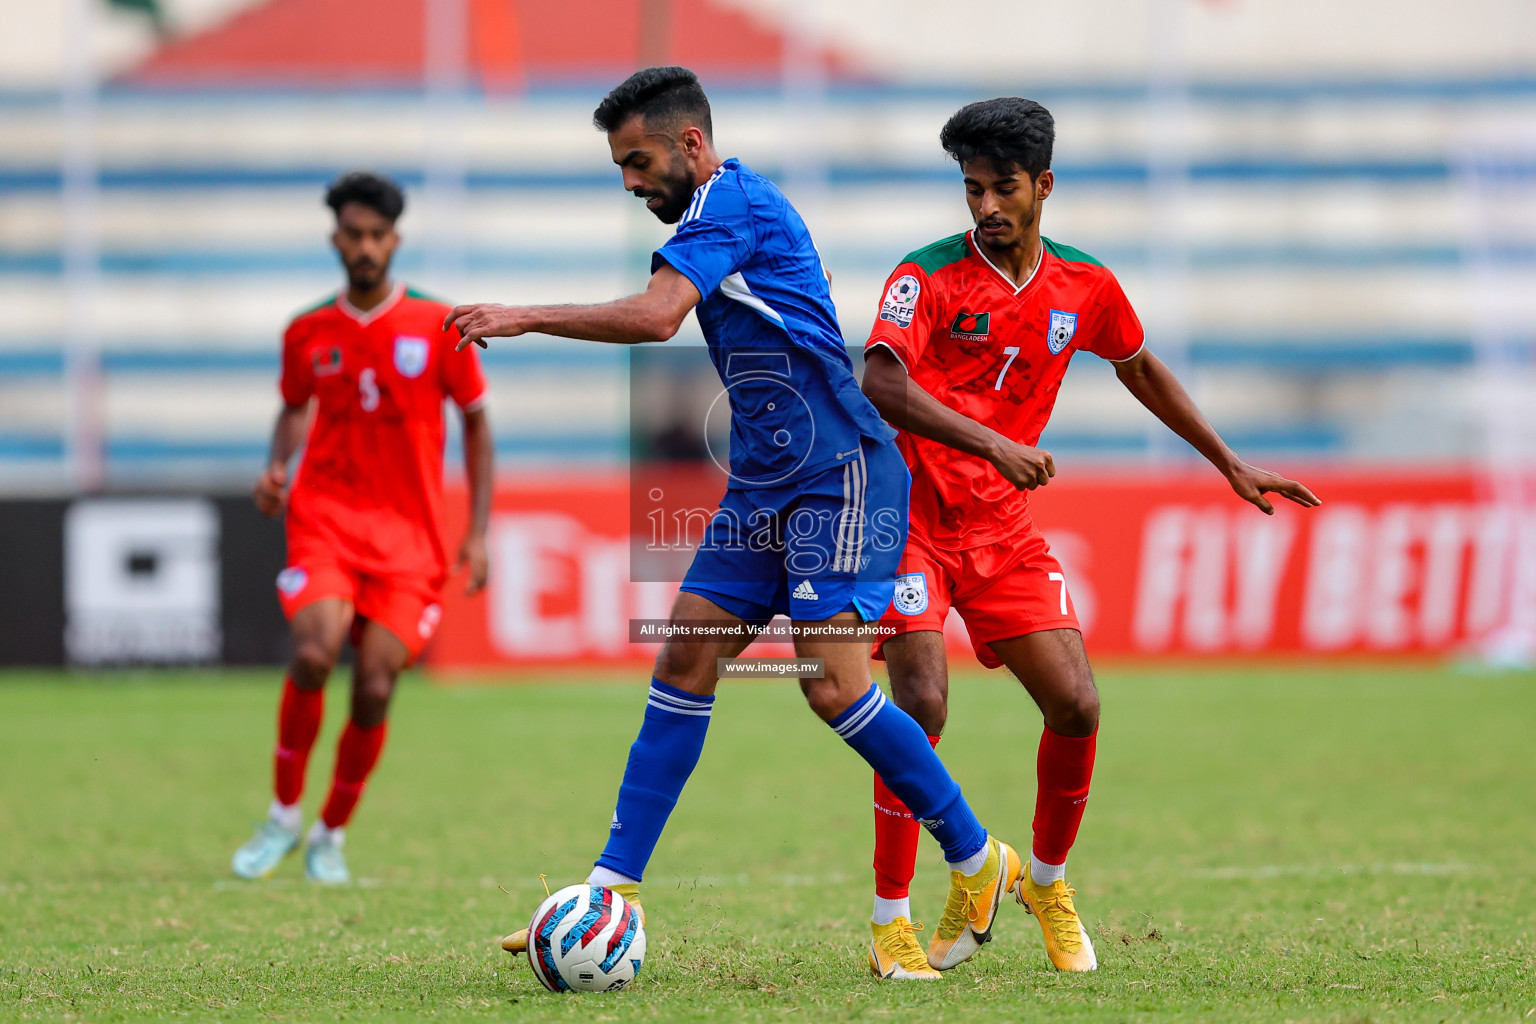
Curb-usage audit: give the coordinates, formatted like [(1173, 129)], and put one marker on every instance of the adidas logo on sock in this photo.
[(615, 826), (804, 592)]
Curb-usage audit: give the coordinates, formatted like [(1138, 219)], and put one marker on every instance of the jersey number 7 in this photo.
[(1013, 353)]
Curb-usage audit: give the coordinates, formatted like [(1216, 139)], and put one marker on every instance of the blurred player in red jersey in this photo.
[(366, 553), (972, 340)]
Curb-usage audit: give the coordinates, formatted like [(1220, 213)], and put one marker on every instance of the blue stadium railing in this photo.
[(1330, 356), (1322, 354), (185, 261), (26, 359), (129, 454)]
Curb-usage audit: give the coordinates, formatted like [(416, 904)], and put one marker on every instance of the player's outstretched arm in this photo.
[(904, 404), (1155, 387), (479, 448), (271, 491), (655, 314)]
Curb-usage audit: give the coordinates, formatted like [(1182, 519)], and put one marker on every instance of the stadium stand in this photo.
[(1327, 257)]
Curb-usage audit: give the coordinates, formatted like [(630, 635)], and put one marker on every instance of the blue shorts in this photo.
[(809, 549)]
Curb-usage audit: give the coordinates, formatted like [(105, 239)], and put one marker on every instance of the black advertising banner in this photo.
[(32, 582), (139, 580)]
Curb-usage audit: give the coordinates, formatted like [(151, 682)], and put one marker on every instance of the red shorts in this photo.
[(403, 603), (1001, 590)]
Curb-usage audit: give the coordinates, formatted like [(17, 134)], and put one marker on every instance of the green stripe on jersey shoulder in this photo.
[(1066, 252), (416, 293), (940, 254), (317, 307)]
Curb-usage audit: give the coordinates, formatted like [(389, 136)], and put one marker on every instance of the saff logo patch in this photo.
[(901, 301), (1059, 335), (911, 593), (410, 355), (292, 580), (971, 326)]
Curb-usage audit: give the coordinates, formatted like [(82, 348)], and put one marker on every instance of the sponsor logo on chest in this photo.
[(410, 355), (971, 326)]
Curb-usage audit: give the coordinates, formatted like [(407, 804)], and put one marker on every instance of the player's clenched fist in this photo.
[(271, 492), (1024, 467), (484, 320)]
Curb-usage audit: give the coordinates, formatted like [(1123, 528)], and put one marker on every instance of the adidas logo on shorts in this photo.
[(805, 592)]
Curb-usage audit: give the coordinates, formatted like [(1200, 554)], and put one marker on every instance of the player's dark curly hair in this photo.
[(667, 97), (374, 191), (1008, 131)]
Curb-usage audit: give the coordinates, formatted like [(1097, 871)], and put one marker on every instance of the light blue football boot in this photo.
[(323, 859), (264, 851)]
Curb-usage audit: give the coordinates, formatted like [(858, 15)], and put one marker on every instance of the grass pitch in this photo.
[(1290, 844)]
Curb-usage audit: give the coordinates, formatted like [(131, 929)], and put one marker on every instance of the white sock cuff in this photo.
[(609, 877), (973, 863), (697, 707), (887, 911), (1042, 873), (289, 816), (319, 832)]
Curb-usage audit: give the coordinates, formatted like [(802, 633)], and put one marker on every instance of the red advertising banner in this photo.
[(1392, 564)]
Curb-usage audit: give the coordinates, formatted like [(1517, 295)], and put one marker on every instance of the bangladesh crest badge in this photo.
[(1059, 335)]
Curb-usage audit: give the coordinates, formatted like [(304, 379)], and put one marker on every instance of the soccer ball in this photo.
[(587, 938), (904, 290)]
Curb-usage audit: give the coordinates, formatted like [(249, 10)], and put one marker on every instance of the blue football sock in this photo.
[(660, 762), (898, 750)]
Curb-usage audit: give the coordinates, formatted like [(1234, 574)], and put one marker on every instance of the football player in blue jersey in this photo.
[(815, 512)]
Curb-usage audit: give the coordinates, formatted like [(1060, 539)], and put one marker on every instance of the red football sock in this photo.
[(298, 723), (356, 755), (896, 834), (1063, 770)]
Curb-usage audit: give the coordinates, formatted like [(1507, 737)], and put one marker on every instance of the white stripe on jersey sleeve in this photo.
[(700, 194), (735, 287)]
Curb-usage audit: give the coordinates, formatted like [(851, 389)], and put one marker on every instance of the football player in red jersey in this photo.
[(364, 377), (973, 337)]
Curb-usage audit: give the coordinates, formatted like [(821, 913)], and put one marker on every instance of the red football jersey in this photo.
[(995, 352), (372, 474)]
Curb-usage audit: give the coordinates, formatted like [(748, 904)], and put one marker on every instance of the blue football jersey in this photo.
[(796, 407)]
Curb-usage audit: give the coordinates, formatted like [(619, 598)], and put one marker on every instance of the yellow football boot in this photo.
[(894, 952), (517, 942), (972, 907), (1066, 940)]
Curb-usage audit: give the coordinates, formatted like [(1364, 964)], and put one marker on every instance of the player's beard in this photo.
[(1018, 238), (675, 191), (364, 278)]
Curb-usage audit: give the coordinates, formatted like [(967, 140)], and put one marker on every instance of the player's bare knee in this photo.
[(1075, 712), (369, 715), (312, 664), (685, 666), (823, 698), (371, 694), (926, 699), (830, 696), (378, 687)]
